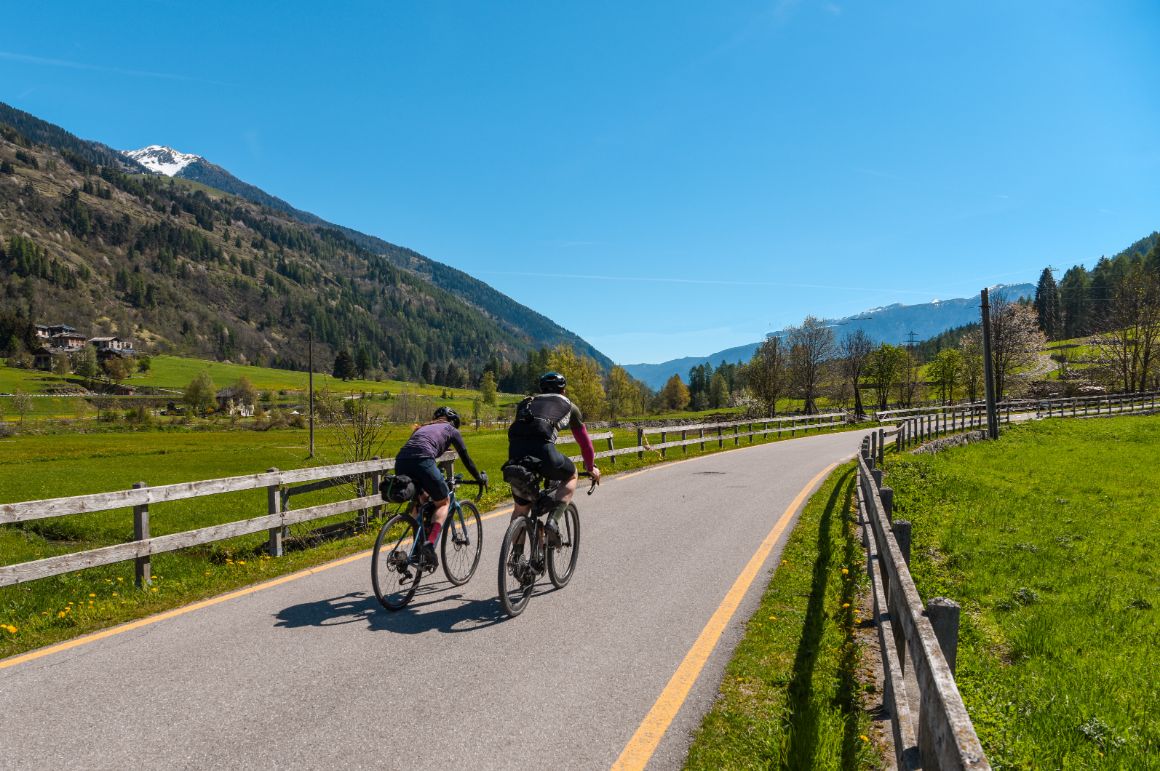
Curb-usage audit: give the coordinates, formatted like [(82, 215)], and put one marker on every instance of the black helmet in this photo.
[(552, 383), (451, 415)]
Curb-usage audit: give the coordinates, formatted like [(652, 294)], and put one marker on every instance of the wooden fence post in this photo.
[(901, 530), (640, 443), (887, 496), (611, 458), (736, 435), (448, 468), (142, 567), (881, 446), (376, 489), (664, 438), (720, 441), (274, 544), (684, 447), (944, 617), (702, 438)]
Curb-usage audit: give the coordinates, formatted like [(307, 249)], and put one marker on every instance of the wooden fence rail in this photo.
[(942, 737), (277, 518)]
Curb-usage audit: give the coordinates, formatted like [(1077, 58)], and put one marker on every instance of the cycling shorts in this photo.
[(425, 472)]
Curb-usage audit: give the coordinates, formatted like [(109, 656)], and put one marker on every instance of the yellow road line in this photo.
[(130, 626), (643, 743)]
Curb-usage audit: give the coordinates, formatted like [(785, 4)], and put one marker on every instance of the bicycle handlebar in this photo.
[(458, 480), (595, 481)]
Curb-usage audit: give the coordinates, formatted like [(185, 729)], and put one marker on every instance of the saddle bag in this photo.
[(524, 477), (398, 489)]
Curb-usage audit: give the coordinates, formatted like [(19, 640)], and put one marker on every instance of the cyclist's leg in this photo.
[(438, 518), (561, 470), (428, 477)]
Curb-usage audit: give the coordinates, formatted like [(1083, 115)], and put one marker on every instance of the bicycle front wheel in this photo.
[(562, 559), (462, 543), (517, 577), (395, 572)]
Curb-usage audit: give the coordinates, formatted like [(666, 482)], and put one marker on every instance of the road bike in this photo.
[(532, 547), (397, 563)]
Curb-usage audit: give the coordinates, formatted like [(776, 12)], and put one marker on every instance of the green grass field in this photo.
[(1049, 540), (790, 696), (36, 466)]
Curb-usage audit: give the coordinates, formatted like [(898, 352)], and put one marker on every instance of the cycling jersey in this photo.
[(432, 440), (539, 419)]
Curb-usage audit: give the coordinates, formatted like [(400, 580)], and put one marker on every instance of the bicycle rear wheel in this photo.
[(562, 559), (394, 573), (517, 577), (462, 543)]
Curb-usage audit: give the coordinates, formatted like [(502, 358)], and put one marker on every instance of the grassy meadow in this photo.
[(1049, 540)]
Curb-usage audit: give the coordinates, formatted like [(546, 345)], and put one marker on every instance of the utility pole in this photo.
[(310, 384), (988, 374), (910, 367)]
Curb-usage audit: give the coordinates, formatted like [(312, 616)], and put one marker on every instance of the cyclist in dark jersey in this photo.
[(417, 460), (539, 420)]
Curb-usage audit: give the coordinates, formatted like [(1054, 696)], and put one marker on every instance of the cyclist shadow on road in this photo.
[(433, 608)]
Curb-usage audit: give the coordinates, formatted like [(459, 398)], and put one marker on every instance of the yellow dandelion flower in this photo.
[(153, 589), (241, 562), (845, 604), (92, 595), (60, 615), (116, 595), (864, 738), (119, 579), (773, 618)]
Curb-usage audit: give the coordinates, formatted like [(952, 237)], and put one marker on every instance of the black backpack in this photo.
[(530, 423)]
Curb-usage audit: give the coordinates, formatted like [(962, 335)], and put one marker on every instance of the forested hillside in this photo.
[(179, 266)]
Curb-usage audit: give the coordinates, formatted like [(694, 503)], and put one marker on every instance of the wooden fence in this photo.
[(365, 475), (281, 486), (930, 723)]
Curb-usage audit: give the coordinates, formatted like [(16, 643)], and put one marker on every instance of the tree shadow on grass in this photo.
[(803, 717)]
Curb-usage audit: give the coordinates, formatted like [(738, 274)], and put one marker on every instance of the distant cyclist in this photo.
[(417, 459), (539, 419)]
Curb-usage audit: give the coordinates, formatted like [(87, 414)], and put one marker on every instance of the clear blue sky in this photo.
[(714, 170)]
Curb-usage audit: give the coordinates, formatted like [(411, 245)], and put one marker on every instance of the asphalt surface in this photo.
[(313, 673)]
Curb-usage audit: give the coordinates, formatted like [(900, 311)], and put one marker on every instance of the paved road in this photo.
[(312, 673)]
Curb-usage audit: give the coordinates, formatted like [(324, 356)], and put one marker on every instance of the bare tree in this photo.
[(1128, 347), (856, 349), (766, 373), (811, 345), (1015, 340), (359, 430), (21, 404)]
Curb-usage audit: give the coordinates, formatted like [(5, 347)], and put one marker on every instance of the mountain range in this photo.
[(890, 324), (174, 251)]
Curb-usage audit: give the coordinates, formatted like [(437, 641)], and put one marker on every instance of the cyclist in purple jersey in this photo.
[(417, 459)]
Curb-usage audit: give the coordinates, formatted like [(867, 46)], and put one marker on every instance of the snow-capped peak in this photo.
[(161, 159)]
